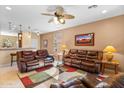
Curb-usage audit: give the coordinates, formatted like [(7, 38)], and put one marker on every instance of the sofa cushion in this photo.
[(73, 55), (76, 61), (81, 57), (73, 51), (67, 60), (88, 64), (82, 52), (28, 55), (92, 55), (42, 53), (32, 64)]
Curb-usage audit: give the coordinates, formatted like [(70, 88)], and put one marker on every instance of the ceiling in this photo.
[(29, 15)]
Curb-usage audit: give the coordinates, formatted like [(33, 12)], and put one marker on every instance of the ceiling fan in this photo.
[(59, 16)]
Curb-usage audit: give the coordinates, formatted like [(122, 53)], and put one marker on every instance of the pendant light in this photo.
[(29, 33)]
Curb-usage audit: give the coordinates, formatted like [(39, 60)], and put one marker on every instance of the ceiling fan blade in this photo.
[(51, 20), (59, 10), (47, 14), (67, 16)]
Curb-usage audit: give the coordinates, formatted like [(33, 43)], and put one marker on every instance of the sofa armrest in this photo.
[(102, 85), (22, 60), (21, 66), (37, 57), (55, 85), (86, 82), (51, 57)]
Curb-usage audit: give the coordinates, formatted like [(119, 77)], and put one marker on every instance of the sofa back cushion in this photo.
[(42, 53), (92, 55), (88, 55), (73, 53), (82, 54), (28, 55)]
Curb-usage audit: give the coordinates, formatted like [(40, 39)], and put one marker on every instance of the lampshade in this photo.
[(109, 49), (63, 47)]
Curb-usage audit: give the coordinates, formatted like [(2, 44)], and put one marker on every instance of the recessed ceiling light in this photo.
[(104, 11), (8, 8)]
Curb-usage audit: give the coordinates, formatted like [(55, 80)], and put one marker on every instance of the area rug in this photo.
[(49, 73)]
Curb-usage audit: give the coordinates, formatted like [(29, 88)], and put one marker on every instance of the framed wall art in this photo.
[(45, 43), (84, 39)]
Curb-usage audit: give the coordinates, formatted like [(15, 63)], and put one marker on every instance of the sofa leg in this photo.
[(26, 70)]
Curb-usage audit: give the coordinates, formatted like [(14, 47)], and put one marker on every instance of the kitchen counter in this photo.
[(5, 58), (3, 49)]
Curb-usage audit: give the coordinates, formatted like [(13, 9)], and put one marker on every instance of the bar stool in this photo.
[(12, 58)]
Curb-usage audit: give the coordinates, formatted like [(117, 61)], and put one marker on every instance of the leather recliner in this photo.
[(44, 55), (26, 61)]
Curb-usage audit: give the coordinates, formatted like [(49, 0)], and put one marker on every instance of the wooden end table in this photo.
[(113, 63), (59, 55)]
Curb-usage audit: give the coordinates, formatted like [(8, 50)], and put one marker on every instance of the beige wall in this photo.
[(48, 37), (107, 32), (27, 41)]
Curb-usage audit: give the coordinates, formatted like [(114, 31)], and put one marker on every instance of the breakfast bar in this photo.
[(5, 58)]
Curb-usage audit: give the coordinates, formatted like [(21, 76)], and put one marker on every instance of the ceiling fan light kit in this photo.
[(56, 20), (59, 16), (62, 21)]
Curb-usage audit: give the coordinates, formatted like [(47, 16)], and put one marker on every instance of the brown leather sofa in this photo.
[(83, 82), (84, 59), (26, 60)]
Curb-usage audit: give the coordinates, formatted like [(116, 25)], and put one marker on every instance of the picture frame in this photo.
[(45, 43), (84, 39)]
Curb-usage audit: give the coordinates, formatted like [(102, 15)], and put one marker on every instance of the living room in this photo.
[(61, 46)]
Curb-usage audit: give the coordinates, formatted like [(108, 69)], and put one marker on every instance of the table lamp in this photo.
[(63, 48), (109, 50)]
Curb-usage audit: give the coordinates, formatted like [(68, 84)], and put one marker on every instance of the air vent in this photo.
[(92, 6)]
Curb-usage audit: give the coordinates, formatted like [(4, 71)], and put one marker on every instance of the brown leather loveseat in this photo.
[(29, 60), (87, 60)]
